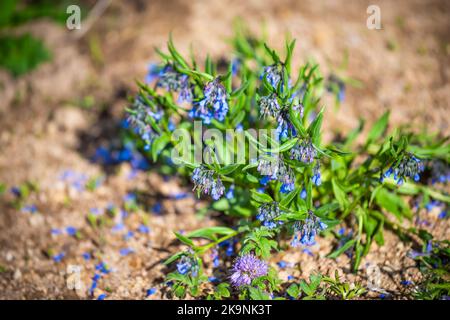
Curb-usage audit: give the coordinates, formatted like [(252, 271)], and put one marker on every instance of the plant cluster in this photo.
[(297, 187)]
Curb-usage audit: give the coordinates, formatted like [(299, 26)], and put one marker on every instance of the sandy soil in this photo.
[(46, 131)]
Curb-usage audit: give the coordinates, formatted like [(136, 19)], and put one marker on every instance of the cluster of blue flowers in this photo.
[(317, 178), (139, 118), (214, 104), (272, 74), (305, 231), (267, 213), (276, 169), (409, 166), (440, 172), (285, 127), (246, 268), (269, 106), (188, 264), (205, 182), (304, 151), (170, 80)]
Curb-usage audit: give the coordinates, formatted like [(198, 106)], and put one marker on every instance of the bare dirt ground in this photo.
[(49, 127)]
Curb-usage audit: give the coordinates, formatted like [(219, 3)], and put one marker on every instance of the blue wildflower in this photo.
[(229, 244), (214, 104), (282, 264), (152, 73), (126, 251), (215, 258), (140, 118), (118, 227), (16, 192), (285, 128), (143, 228), (101, 296), (56, 232), (180, 195), (406, 283), (303, 193), (267, 214), (409, 166), (316, 178), (269, 106), (303, 151), (157, 207), (29, 208), (150, 292), (173, 81), (306, 230), (440, 172), (86, 256), (205, 182), (71, 231), (272, 74), (275, 169), (235, 66), (187, 264), (102, 267), (128, 235), (58, 257), (230, 192)]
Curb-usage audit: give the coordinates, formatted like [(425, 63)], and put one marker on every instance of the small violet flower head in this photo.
[(205, 182), (267, 213), (305, 231), (246, 268), (304, 151), (214, 104)]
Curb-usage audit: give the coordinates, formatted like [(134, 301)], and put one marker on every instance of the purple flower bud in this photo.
[(246, 268)]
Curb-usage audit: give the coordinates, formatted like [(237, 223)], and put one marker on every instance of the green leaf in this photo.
[(258, 294), (342, 249), (228, 169), (289, 197), (184, 239), (314, 128), (174, 257), (222, 290), (339, 193), (221, 205), (293, 290), (378, 128), (158, 145), (392, 203), (210, 233), (261, 197)]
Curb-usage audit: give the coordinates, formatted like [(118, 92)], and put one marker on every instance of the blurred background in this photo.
[(62, 92)]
